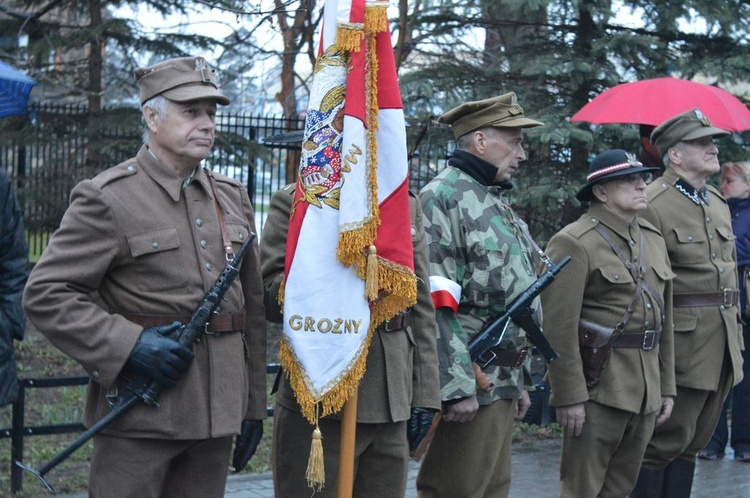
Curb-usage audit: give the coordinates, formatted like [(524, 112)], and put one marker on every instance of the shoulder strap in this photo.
[(222, 222), (638, 276)]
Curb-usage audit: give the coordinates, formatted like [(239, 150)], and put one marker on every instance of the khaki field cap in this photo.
[(690, 125), (179, 80), (502, 112)]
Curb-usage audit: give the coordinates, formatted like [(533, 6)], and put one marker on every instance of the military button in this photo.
[(648, 306), (721, 270), (710, 237), (690, 238), (593, 220), (617, 277), (708, 219), (199, 222), (646, 324), (130, 169), (632, 242), (713, 255), (242, 236), (154, 245), (413, 231), (204, 244), (208, 266), (95, 374)]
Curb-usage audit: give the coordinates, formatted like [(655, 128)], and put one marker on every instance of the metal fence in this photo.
[(48, 153)]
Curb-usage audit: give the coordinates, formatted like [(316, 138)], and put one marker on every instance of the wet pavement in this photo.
[(535, 475), (535, 466)]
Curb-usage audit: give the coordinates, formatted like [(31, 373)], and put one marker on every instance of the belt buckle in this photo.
[(729, 297), (649, 340), (210, 332)]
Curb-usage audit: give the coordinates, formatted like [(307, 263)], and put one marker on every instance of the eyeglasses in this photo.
[(635, 178)]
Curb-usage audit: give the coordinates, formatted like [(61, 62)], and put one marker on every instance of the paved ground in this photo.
[(535, 476)]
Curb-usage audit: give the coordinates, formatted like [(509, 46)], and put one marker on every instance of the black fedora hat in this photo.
[(607, 166)]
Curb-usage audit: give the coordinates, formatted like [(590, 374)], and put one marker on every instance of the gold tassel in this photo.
[(316, 472), (371, 279)]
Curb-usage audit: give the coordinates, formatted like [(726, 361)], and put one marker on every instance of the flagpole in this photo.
[(346, 454)]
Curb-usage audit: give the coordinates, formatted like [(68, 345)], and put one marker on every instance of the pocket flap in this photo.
[(153, 241), (616, 274), (688, 235)]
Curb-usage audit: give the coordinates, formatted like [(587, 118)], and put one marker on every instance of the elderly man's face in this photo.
[(699, 156), (503, 148), (186, 137)]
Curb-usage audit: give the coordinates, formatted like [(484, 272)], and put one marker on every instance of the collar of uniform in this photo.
[(477, 168), (698, 197), (163, 176), (611, 220)]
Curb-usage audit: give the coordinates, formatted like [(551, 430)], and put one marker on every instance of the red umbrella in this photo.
[(653, 101)]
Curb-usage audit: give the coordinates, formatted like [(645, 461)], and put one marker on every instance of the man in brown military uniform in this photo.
[(398, 395), (695, 222), (616, 294), (137, 249)]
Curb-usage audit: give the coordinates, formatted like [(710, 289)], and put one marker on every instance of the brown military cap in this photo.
[(690, 125), (181, 80), (502, 111)]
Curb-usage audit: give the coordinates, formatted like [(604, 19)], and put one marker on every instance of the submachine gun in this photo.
[(481, 347), (142, 387)]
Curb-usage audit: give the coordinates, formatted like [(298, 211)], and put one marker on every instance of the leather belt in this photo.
[(727, 297), (646, 340), (219, 324), (398, 322), (505, 358)]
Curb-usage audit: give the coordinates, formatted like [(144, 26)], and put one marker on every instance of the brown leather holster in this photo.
[(595, 342)]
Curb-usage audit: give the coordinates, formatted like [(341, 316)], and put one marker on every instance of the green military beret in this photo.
[(180, 80), (502, 111), (690, 125)]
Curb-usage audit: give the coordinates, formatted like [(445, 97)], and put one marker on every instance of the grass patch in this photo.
[(37, 358)]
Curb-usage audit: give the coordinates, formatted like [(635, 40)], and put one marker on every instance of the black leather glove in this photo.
[(246, 443), (159, 357), (418, 425)]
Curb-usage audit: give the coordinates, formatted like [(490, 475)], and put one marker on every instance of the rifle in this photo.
[(489, 337), (142, 387), (482, 345)]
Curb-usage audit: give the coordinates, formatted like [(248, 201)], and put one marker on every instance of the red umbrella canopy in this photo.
[(652, 101)]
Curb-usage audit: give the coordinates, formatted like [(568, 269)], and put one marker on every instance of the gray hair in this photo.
[(159, 104), (464, 141)]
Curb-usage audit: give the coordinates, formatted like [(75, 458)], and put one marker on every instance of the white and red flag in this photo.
[(349, 261)]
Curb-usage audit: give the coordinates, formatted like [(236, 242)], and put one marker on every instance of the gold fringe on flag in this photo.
[(349, 36), (376, 16), (333, 400)]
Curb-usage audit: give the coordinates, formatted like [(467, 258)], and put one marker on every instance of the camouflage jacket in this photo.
[(475, 240)]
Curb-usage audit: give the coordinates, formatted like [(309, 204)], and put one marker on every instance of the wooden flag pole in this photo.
[(346, 454)]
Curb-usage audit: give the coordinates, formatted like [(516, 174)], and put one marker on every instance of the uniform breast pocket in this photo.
[(727, 238), (157, 262), (691, 247)]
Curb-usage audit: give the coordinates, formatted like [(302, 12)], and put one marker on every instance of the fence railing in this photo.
[(19, 430), (61, 145)]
